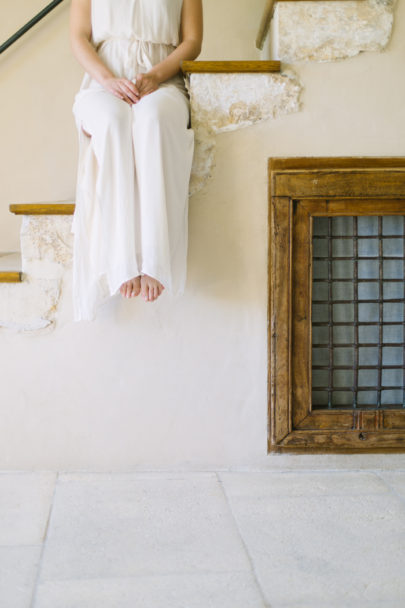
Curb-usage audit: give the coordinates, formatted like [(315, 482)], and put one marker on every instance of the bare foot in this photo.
[(131, 288), (150, 288)]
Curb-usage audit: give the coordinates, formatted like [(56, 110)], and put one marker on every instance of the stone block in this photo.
[(226, 102), (46, 249), (331, 30)]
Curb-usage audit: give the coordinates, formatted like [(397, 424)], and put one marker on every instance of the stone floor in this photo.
[(310, 538)]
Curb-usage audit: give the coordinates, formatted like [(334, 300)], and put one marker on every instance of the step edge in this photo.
[(63, 208)]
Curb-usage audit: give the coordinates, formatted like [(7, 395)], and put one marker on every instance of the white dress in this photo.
[(133, 177)]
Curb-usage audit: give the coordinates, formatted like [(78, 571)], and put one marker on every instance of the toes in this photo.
[(135, 288), (123, 290), (130, 289), (150, 288), (144, 288)]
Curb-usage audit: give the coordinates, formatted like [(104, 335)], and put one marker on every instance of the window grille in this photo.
[(358, 312)]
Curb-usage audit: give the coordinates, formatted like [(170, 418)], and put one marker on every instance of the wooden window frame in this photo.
[(299, 189)]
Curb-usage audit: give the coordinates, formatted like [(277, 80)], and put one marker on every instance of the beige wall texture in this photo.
[(182, 381)]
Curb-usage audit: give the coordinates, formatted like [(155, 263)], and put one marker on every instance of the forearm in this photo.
[(169, 67), (88, 58)]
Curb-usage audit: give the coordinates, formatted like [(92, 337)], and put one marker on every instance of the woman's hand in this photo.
[(123, 89), (147, 83)]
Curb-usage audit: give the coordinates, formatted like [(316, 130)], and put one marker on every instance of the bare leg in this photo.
[(150, 288)]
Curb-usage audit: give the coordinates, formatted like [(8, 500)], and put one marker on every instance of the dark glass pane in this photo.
[(359, 296), (368, 248), (392, 225)]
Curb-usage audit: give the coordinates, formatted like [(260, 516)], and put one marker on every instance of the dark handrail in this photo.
[(29, 25)]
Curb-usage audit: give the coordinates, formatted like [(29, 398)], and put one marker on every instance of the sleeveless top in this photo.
[(131, 36)]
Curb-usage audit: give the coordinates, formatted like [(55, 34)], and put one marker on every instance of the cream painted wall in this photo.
[(181, 382)]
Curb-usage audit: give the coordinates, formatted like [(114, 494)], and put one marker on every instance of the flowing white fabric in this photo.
[(133, 176)]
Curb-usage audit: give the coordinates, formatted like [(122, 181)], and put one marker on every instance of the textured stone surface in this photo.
[(24, 506), (318, 538), (226, 102), (18, 571), (46, 247), (140, 525), (212, 589), (324, 31), (47, 238), (29, 305), (203, 539)]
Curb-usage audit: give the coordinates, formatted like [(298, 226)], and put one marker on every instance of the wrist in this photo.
[(157, 75), (104, 77)]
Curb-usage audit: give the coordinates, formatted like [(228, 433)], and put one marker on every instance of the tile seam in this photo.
[(394, 492), (266, 604), (44, 538)]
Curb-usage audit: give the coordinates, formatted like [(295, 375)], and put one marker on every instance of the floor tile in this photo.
[(302, 483), (285, 462), (395, 480), (122, 525), (319, 538), (18, 571), (225, 590), (342, 604), (25, 500)]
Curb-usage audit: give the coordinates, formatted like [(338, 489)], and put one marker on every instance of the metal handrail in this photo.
[(265, 24), (29, 25)]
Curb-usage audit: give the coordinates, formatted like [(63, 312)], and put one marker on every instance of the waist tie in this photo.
[(139, 48)]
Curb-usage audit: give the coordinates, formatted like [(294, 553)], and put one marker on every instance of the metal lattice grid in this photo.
[(358, 312)]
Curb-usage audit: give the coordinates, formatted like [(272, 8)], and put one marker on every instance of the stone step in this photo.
[(10, 268), (42, 208)]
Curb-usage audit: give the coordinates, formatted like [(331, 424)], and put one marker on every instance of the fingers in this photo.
[(130, 90), (126, 90), (145, 84), (121, 95)]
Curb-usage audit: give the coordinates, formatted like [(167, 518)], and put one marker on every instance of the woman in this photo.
[(135, 147)]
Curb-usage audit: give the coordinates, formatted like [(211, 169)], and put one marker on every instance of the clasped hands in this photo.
[(132, 92)]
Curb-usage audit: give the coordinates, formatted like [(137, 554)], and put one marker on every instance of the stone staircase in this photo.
[(11, 262), (31, 282), (10, 268)]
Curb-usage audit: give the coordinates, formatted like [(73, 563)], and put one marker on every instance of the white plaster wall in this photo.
[(180, 382)]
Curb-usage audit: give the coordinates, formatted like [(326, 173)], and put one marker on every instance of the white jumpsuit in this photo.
[(133, 177)]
